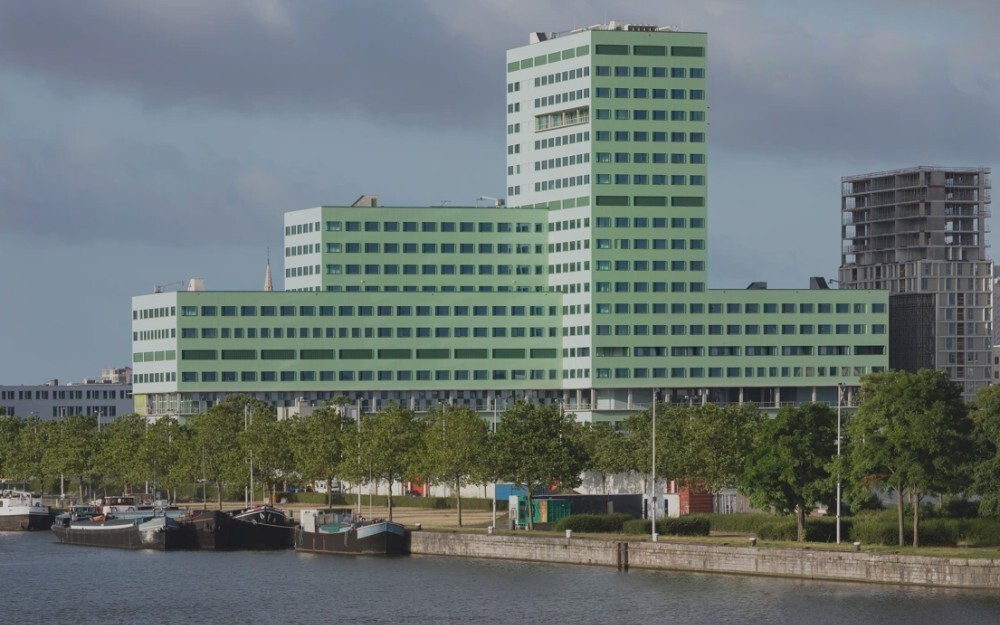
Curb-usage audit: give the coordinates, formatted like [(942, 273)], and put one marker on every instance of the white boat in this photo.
[(23, 510)]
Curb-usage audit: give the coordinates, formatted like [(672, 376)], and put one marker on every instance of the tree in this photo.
[(215, 437), (714, 445), (538, 447), (986, 471), (72, 447), (265, 442), (606, 450), (390, 445), (10, 430), (160, 452), (454, 443), (788, 468), (319, 444), (912, 433), (118, 457)]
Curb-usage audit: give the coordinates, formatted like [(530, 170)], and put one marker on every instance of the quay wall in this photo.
[(775, 562)]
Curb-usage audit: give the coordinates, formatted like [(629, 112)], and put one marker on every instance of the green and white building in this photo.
[(586, 287)]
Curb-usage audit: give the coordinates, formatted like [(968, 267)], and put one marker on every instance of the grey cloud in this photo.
[(860, 95), (393, 61), (91, 188)]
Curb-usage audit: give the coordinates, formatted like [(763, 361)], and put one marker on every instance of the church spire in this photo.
[(267, 273)]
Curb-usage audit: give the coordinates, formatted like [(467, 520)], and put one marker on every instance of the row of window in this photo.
[(644, 222), (642, 93), (305, 228), (565, 161), (404, 375), (562, 98), (557, 141), (648, 287), (733, 372), (697, 329), (648, 50), (368, 333), (679, 308), (657, 179), (656, 115), (433, 226), (367, 354), (640, 136), (432, 248), (433, 270), (562, 183), (430, 288), (366, 311), (649, 244), (155, 313), (676, 158), (646, 265), (642, 71), (558, 77)]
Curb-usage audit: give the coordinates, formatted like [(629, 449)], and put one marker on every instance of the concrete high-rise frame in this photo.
[(587, 287), (921, 233)]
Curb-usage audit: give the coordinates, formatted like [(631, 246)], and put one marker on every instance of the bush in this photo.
[(747, 523), (593, 523), (682, 526), (960, 509), (980, 532), (883, 529)]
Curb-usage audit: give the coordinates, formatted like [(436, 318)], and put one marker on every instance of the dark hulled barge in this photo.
[(337, 532)]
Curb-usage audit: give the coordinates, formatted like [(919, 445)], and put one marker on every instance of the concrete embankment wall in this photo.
[(797, 563)]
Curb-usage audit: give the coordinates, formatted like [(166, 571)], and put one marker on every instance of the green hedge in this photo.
[(883, 529), (682, 526), (593, 523)]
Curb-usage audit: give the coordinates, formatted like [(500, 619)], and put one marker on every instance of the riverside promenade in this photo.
[(440, 536)]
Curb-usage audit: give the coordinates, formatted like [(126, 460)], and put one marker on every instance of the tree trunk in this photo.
[(218, 492), (388, 498), (458, 497), (329, 493), (604, 483), (800, 523), (916, 518), (529, 522), (899, 512)]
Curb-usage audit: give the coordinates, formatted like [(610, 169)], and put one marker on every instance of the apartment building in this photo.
[(920, 233)]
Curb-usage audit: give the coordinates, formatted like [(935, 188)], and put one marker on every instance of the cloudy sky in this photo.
[(144, 143)]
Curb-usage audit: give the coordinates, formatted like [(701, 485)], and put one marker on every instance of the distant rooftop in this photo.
[(539, 37), (910, 170)]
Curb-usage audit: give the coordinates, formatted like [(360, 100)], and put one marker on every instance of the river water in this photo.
[(45, 582)]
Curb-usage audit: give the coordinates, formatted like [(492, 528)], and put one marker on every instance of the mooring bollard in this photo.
[(857, 546), (753, 541), (489, 531), (418, 527), (569, 534), (656, 538)]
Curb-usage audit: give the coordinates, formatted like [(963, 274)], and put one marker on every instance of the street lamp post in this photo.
[(653, 480), (840, 401), (494, 526), (247, 420)]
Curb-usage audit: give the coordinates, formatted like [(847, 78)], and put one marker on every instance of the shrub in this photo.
[(681, 526), (960, 509), (980, 532), (593, 523)]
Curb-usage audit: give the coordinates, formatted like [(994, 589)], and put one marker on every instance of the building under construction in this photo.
[(920, 233)]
